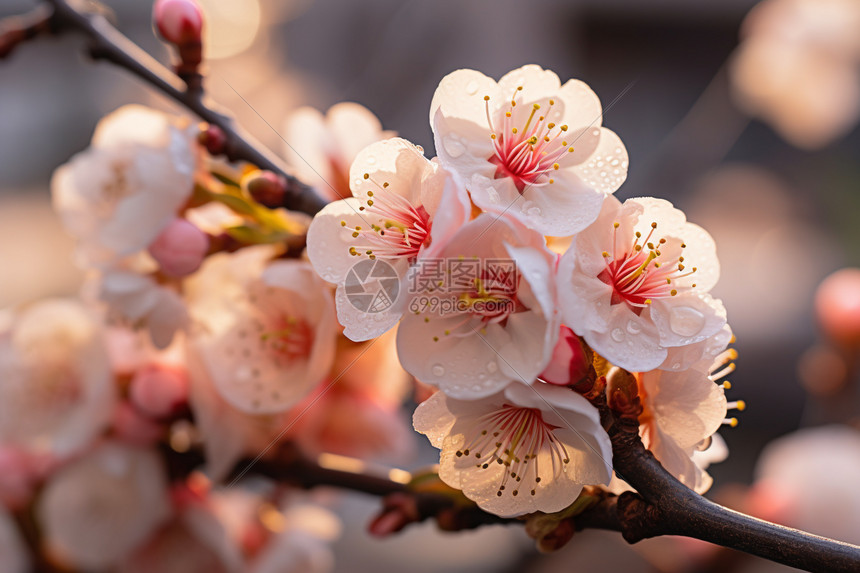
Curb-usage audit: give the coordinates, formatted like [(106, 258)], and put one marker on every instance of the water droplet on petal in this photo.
[(371, 160), (472, 88), (676, 366), (634, 327), (617, 334), (453, 146), (438, 370), (686, 321), (492, 367)]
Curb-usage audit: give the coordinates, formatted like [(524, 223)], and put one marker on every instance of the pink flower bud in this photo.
[(135, 428), (178, 21), (266, 188), (159, 390), (570, 361), (837, 303), (213, 139), (180, 248)]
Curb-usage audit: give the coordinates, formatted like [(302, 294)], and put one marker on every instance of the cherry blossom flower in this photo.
[(322, 148), (525, 449), (635, 283), (135, 297), (13, 551), (118, 195), (808, 479), (403, 207), (798, 68), (528, 146), (101, 507), (57, 387), (302, 544), (492, 320), (264, 330)]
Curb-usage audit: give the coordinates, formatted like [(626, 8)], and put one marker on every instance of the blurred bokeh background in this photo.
[(784, 216)]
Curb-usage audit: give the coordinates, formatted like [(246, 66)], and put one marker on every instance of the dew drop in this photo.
[(686, 321), (617, 334), (634, 327), (492, 367), (453, 146), (438, 370), (676, 366), (371, 160), (472, 88)]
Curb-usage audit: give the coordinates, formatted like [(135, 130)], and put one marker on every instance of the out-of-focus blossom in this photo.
[(132, 426), (636, 283), (227, 433), (136, 298), (798, 68), (118, 195), (526, 449), (494, 323), (13, 552), (809, 479), (291, 537), (528, 146), (180, 248), (57, 387), (265, 330), (403, 207), (194, 541), (302, 546), (322, 148), (837, 304), (103, 506), (357, 412)]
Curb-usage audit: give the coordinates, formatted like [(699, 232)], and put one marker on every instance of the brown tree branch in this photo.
[(664, 506), (107, 43)]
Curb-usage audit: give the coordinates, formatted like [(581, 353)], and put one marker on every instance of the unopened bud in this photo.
[(266, 188), (133, 427), (622, 393), (180, 248), (179, 22), (213, 139), (159, 390), (837, 304), (570, 362)]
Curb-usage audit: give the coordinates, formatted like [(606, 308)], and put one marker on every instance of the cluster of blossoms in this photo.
[(195, 329), (202, 326), (460, 252)]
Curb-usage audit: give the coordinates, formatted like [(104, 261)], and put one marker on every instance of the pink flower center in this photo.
[(640, 272), (289, 339), (526, 153), (519, 439), (492, 296), (395, 228)]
